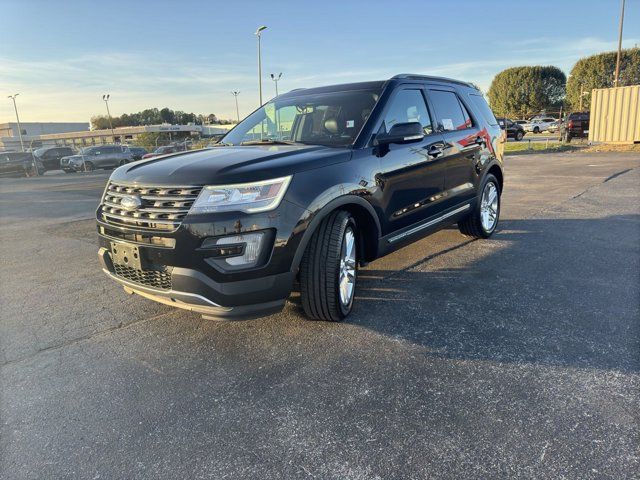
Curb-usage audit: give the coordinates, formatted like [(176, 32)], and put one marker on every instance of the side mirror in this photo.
[(408, 132)]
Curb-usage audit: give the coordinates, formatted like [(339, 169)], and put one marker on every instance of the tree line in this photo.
[(154, 116), (522, 91)]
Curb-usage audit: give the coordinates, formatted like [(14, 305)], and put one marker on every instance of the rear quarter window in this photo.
[(481, 105)]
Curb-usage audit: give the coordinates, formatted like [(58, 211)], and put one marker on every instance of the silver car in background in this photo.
[(99, 156)]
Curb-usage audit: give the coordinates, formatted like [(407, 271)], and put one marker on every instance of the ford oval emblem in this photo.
[(131, 202)]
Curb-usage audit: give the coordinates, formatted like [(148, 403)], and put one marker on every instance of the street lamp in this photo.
[(106, 102), (275, 78), (13, 97), (259, 35), (617, 73), (235, 94)]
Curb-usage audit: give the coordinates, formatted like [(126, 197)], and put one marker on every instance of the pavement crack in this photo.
[(611, 177), (51, 348)]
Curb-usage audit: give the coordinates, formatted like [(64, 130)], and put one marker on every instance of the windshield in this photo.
[(333, 119)]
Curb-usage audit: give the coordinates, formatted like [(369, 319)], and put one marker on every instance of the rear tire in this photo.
[(536, 130), (328, 270), (487, 207)]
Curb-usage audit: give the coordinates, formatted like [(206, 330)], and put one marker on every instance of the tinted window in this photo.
[(481, 105), (408, 106), (451, 114)]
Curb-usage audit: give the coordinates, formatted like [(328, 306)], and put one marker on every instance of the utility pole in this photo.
[(615, 78), (106, 102), (275, 78), (235, 94), (259, 35), (13, 97)]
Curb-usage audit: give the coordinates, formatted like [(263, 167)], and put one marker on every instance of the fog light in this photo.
[(250, 247)]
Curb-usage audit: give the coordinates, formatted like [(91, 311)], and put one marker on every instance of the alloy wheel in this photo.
[(347, 273), (489, 207)]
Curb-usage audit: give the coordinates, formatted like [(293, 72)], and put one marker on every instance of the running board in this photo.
[(428, 224)]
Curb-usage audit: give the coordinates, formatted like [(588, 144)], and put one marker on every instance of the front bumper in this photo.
[(200, 285), (191, 290)]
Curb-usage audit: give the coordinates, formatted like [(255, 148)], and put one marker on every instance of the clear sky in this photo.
[(62, 55)]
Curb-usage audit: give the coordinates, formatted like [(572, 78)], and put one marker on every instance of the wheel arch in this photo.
[(497, 172), (367, 222)]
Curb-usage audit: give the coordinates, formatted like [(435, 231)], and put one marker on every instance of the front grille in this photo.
[(161, 208), (160, 279)]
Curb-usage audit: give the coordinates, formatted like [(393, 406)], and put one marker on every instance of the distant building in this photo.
[(79, 135), (10, 137)]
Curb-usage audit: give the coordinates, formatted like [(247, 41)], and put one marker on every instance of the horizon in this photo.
[(144, 56)]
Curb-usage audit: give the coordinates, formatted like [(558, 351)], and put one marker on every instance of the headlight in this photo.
[(245, 197)]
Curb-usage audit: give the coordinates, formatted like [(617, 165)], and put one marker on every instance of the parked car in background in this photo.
[(20, 164), (50, 156), (575, 125), (102, 156), (514, 130), (166, 150), (361, 170), (548, 124), (137, 152)]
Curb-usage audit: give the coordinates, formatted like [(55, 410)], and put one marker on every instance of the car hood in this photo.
[(234, 164)]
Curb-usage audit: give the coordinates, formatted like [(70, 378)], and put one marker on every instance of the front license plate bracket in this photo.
[(126, 255)]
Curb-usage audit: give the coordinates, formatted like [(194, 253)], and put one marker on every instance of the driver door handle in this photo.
[(435, 150)]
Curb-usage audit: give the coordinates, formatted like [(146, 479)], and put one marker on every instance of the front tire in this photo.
[(482, 221), (88, 167), (328, 270), (536, 130), (519, 136)]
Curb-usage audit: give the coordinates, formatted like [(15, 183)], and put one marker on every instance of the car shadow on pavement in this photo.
[(557, 292)]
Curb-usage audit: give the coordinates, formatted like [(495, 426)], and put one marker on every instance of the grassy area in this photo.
[(538, 147)]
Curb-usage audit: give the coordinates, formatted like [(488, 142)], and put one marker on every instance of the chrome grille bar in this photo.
[(161, 208)]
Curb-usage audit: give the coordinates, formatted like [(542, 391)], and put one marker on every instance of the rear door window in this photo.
[(482, 106), (450, 112)]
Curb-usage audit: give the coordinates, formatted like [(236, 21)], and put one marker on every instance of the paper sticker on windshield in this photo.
[(350, 123), (270, 112), (447, 123)]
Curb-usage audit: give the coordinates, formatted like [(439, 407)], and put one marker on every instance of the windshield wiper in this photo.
[(268, 141)]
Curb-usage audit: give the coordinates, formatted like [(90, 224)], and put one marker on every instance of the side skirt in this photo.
[(395, 240)]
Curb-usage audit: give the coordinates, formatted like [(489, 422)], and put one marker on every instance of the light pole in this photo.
[(13, 97), (235, 94), (106, 102), (259, 35), (615, 78), (275, 78)]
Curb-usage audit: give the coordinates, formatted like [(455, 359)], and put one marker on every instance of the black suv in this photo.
[(308, 187), (50, 156), (514, 129), (575, 125)]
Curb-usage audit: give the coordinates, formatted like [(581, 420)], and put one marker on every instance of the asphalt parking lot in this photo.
[(513, 357)]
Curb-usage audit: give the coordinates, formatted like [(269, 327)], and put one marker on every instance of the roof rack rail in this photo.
[(414, 76)]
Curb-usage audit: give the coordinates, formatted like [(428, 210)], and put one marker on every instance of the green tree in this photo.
[(525, 90), (597, 71), (99, 122)]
